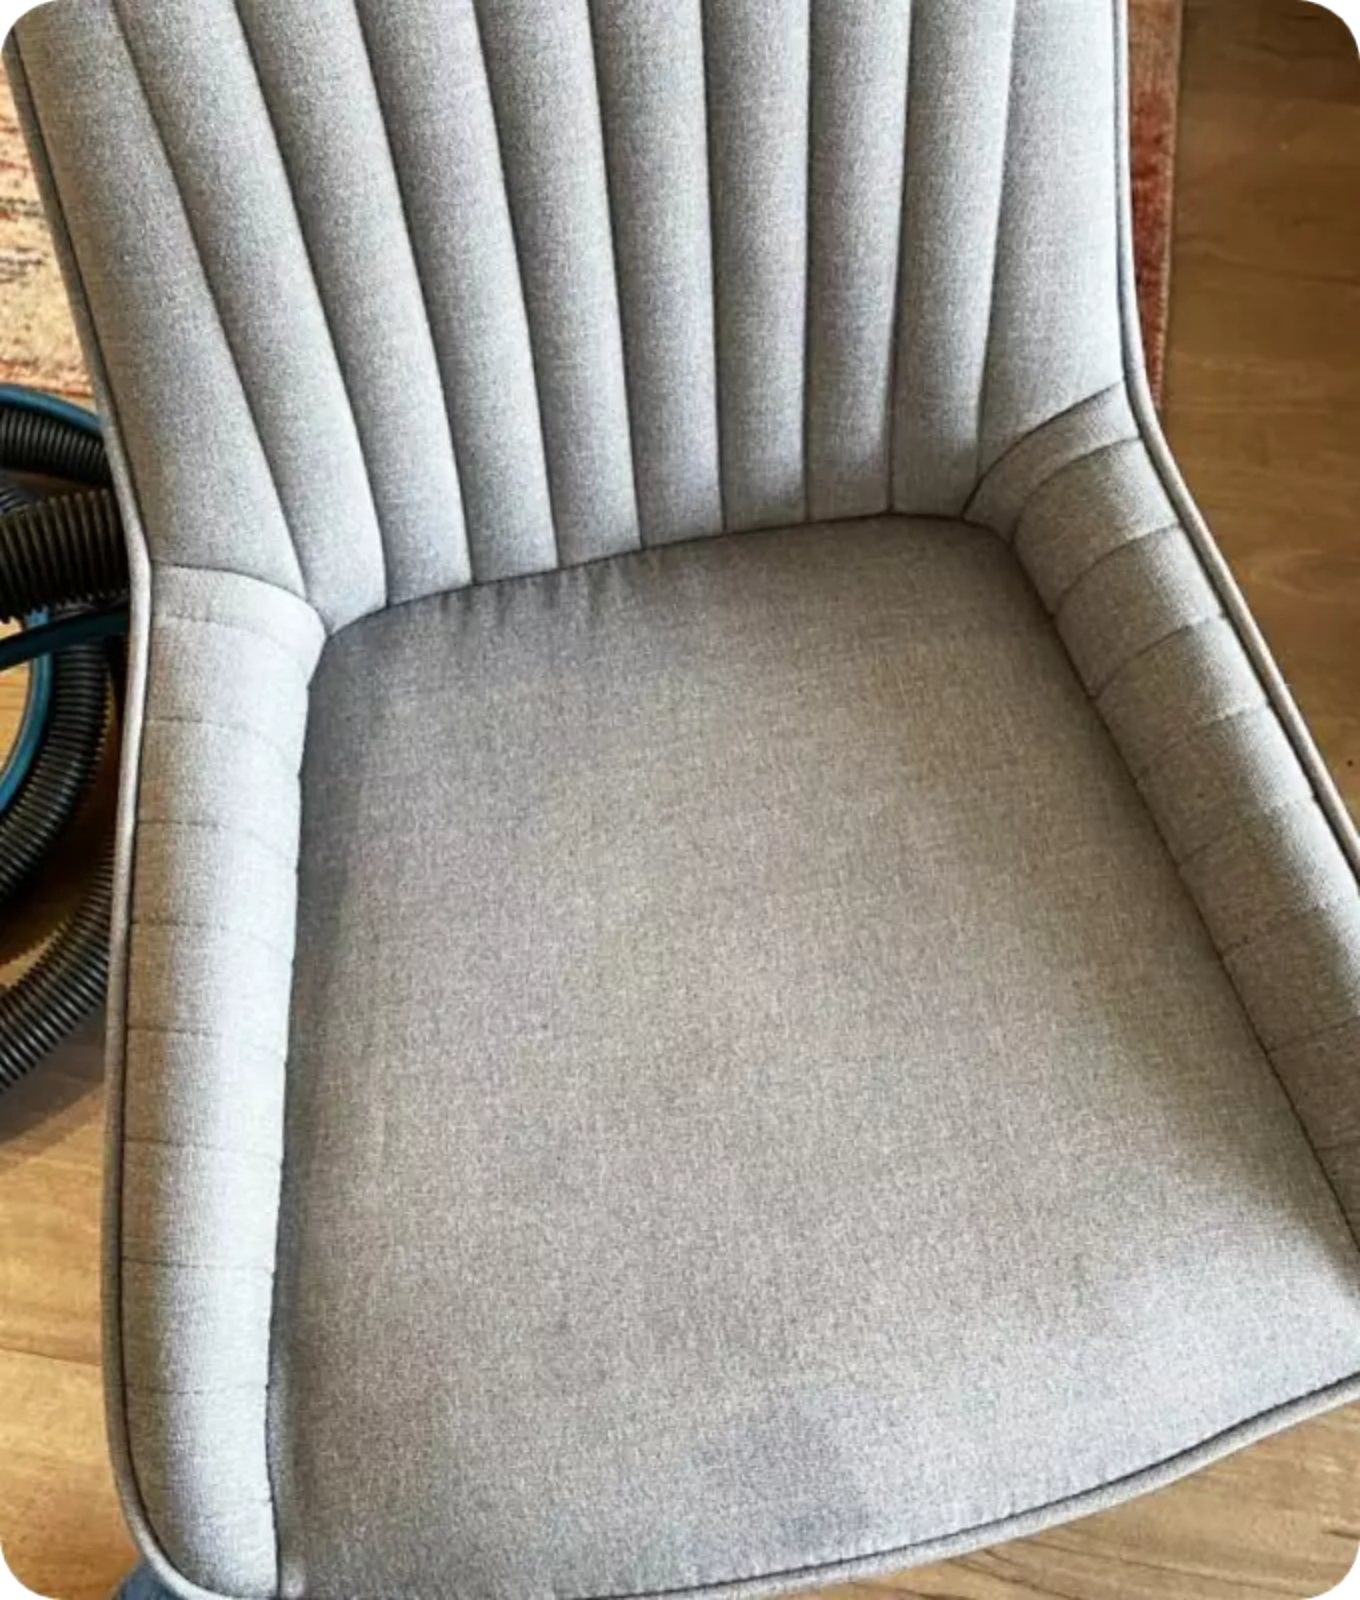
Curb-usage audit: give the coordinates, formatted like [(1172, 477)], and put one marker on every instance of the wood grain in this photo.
[(60, 1525), (1263, 406)]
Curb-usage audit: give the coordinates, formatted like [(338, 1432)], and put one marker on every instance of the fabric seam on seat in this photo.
[(197, 620), (1303, 1040), (218, 1036), (154, 1391), (224, 929), (716, 1585), (244, 730), (1333, 1147), (181, 1265), (269, 585), (1315, 908), (243, 1152), (1145, 769)]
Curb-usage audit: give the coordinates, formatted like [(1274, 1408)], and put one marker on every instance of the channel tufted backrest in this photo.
[(434, 292), (389, 297)]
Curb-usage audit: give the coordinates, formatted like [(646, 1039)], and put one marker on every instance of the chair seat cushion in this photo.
[(759, 1095)]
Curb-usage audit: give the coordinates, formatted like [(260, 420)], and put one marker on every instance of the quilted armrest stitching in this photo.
[(1102, 686), (1270, 691), (1058, 605), (236, 1152), (162, 613), (259, 841), (142, 567), (1277, 924), (1268, 680), (1244, 824), (1104, 448), (221, 929), (244, 730)]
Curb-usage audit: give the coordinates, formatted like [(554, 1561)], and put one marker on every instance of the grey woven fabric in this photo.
[(796, 1053), (708, 289), (1148, 631), (763, 1097)]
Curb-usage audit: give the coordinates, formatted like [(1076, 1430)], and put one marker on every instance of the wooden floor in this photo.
[(1264, 410)]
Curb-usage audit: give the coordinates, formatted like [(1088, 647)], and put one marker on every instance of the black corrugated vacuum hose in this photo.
[(60, 556)]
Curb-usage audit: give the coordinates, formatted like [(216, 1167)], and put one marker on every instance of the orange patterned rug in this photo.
[(1155, 30), (38, 344)]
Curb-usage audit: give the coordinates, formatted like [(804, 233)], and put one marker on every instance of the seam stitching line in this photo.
[(1180, 631), (400, 187), (614, 263), (307, 256), (1246, 823), (1059, 601), (1005, 462), (475, 10), (116, 14), (711, 177), (994, 294), (898, 331)]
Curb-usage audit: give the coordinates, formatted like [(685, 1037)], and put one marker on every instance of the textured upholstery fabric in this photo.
[(764, 1096), (708, 289), (425, 330), (207, 1012), (1148, 632)]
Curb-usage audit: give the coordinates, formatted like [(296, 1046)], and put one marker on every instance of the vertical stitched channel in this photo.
[(614, 257), (706, 31), (402, 197), (808, 263), (892, 399), (1003, 197), (316, 283), (116, 15), (476, 9)]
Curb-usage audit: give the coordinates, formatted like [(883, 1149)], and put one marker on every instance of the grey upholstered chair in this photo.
[(648, 1062)]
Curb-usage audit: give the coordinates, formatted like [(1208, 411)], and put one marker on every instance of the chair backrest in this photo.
[(429, 292)]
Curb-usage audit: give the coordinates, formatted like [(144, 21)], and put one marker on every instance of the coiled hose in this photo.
[(63, 573)]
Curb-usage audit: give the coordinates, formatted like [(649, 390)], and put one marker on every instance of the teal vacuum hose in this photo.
[(63, 574)]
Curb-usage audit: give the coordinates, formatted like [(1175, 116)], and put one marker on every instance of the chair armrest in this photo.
[(1161, 640), (198, 1049)]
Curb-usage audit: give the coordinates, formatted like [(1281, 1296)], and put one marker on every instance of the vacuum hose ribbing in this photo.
[(70, 547), (60, 555)]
